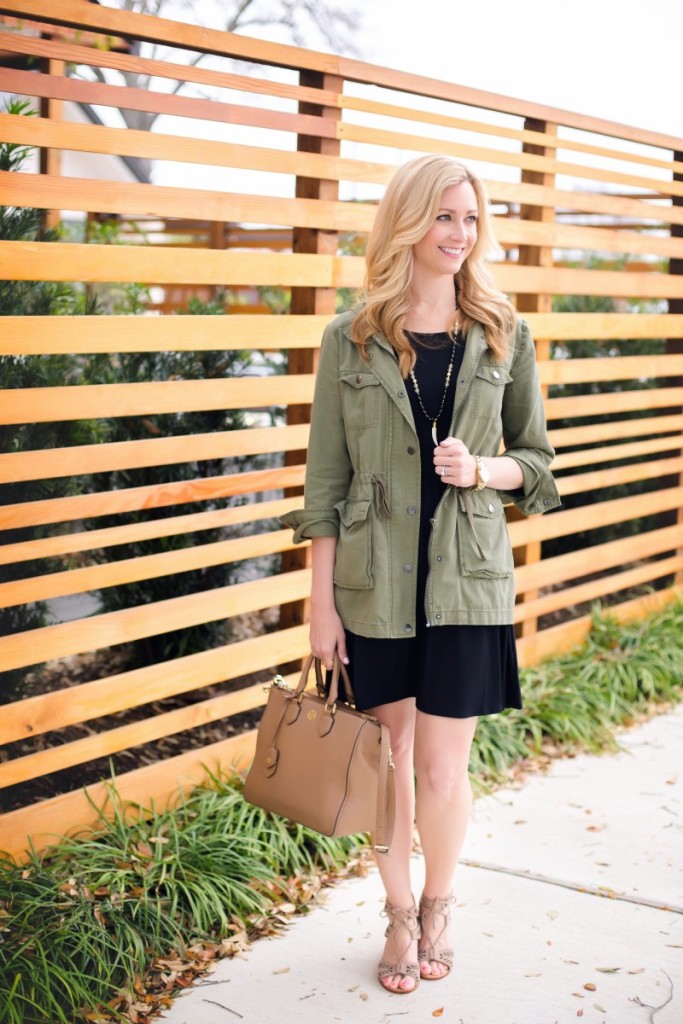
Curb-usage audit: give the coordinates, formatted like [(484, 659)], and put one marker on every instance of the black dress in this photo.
[(452, 671)]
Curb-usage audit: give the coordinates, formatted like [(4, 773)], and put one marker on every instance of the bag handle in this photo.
[(337, 668)]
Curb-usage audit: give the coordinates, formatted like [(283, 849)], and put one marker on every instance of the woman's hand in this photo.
[(327, 634), (454, 464)]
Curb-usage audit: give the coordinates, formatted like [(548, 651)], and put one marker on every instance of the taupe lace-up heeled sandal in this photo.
[(429, 909), (408, 919)]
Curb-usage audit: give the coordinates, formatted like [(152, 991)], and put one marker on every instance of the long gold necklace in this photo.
[(433, 419)]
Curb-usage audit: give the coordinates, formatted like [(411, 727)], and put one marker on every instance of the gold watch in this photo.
[(483, 474)]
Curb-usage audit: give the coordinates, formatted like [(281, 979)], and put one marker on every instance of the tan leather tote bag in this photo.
[(321, 763)]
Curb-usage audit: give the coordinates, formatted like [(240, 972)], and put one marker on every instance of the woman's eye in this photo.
[(444, 216)]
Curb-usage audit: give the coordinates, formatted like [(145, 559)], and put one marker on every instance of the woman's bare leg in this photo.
[(394, 867), (444, 804)]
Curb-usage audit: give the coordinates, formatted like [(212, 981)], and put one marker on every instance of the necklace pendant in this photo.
[(434, 437)]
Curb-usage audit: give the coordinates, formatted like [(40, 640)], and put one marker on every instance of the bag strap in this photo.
[(384, 823)]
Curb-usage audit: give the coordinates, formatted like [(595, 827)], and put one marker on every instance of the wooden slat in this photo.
[(583, 371), (593, 517), (119, 455), (100, 94), (405, 141), (59, 709), (594, 589), (87, 138), (612, 402), (111, 628), (512, 232), (558, 639), (585, 483), (610, 453), (43, 335), (203, 40), (37, 335), (575, 564), (88, 540), (601, 432), (130, 199), (142, 567), (568, 281), (93, 401), (605, 326), (133, 499), (57, 261)]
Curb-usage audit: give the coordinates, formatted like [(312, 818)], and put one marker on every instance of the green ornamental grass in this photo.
[(81, 922)]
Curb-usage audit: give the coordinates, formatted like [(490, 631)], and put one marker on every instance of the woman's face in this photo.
[(451, 238)]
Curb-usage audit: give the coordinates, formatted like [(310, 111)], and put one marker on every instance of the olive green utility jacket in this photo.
[(363, 484)]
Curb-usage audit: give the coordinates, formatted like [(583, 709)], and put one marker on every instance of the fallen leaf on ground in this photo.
[(282, 970), (532, 974), (552, 914), (364, 995), (590, 986), (608, 970), (636, 970), (438, 1013), (598, 1006)]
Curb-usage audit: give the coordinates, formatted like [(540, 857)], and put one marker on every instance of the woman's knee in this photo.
[(444, 777)]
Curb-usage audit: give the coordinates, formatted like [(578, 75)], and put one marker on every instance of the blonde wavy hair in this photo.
[(409, 208)]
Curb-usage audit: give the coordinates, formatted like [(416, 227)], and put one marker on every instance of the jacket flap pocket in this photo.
[(358, 379), (495, 373), (484, 503), (353, 510)]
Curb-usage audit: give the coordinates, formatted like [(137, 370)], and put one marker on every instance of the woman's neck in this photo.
[(432, 305)]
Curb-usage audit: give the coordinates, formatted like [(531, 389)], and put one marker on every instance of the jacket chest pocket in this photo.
[(360, 393), (488, 389), (353, 562), (483, 543)]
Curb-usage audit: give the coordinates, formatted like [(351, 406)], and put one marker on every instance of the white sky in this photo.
[(617, 59)]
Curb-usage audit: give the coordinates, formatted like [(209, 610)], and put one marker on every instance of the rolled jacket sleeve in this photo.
[(524, 431), (328, 465)]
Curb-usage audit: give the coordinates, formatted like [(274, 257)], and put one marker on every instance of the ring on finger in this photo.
[(444, 470)]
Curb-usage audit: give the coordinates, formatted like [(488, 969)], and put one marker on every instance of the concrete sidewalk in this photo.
[(569, 907)]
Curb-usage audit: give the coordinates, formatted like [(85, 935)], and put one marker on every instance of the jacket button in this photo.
[(410, 450), (432, 522), (546, 501), (407, 568), (359, 379), (401, 394), (411, 510), (438, 558), (496, 374), (490, 508), (438, 615), (407, 628)]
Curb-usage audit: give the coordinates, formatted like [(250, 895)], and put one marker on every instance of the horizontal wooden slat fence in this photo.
[(271, 184)]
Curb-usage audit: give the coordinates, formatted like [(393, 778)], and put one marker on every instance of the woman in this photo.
[(412, 567)]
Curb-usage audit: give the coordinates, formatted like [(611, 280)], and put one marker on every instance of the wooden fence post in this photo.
[(51, 159), (535, 256), (675, 345), (310, 300)]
